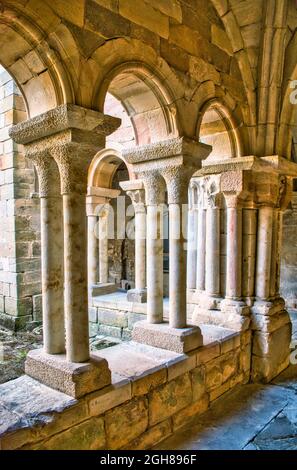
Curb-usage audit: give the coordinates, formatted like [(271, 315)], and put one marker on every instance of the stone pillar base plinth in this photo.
[(160, 335), (272, 332), (102, 289), (226, 319), (137, 295), (74, 379)]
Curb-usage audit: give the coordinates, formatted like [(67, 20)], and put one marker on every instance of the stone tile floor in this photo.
[(250, 417)]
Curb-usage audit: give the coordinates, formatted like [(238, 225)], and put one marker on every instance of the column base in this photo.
[(272, 333), (71, 378), (232, 314), (161, 335), (102, 289), (137, 295), (206, 301)]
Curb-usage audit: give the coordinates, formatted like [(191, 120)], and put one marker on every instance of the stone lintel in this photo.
[(132, 185), (73, 379), (180, 146), (61, 118), (282, 165), (107, 193), (160, 335)]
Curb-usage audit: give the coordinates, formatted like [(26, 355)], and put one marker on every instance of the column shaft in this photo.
[(75, 265), (103, 248), (264, 245), (192, 249), (154, 265), (140, 247), (52, 274), (212, 275), (92, 250), (234, 253), (177, 269), (201, 245), (249, 251)]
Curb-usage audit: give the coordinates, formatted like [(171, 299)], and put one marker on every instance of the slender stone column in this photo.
[(92, 249), (155, 199), (192, 237), (264, 246), (135, 190), (71, 135), (201, 237), (51, 253), (234, 249), (213, 219), (249, 252), (103, 243), (177, 180)]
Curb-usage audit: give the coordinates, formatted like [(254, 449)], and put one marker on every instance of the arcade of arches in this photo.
[(147, 194)]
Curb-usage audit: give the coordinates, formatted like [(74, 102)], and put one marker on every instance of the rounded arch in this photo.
[(146, 100), (104, 166), (32, 63), (123, 58), (217, 127)]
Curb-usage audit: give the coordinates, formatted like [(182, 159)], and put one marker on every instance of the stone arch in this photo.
[(220, 129), (104, 166), (30, 60), (132, 64)]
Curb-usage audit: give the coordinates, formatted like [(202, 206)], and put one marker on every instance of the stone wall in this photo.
[(288, 285), (20, 287), (135, 412)]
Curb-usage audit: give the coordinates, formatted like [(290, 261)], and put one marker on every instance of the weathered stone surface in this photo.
[(73, 379), (162, 336), (151, 436), (89, 435), (190, 413), (170, 398), (131, 419)]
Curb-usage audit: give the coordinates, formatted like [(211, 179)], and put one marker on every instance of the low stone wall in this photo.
[(154, 393)]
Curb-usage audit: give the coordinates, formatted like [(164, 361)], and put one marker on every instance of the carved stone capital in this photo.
[(155, 187), (212, 192), (177, 181), (61, 118), (138, 199), (167, 149), (47, 172)]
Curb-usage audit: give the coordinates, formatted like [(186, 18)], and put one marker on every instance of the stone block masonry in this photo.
[(20, 286), (153, 393)]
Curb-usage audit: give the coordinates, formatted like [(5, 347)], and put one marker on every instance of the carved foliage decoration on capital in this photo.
[(177, 182), (154, 187), (47, 172), (213, 195), (73, 161), (285, 192), (138, 199)]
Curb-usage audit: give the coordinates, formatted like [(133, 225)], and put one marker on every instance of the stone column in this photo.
[(135, 190), (103, 243), (249, 253), (177, 180), (264, 254), (213, 218), (92, 247), (173, 161), (71, 135), (155, 199), (234, 248), (192, 237), (51, 224), (201, 237)]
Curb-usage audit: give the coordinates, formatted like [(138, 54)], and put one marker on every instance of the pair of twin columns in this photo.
[(62, 143)]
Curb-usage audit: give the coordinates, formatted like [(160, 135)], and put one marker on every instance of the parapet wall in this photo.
[(154, 393)]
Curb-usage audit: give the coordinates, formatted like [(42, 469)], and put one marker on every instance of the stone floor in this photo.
[(250, 417)]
